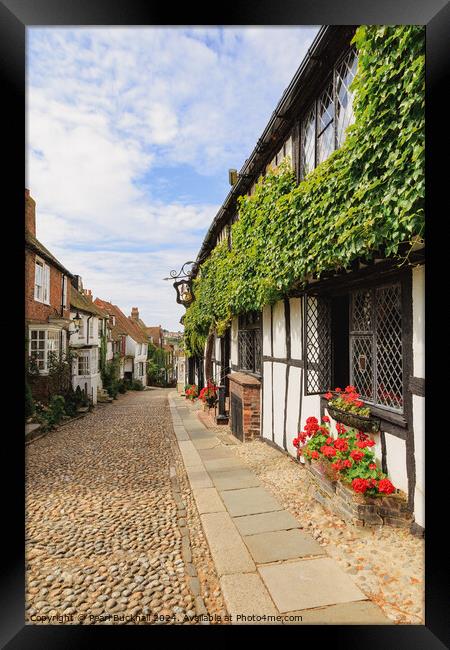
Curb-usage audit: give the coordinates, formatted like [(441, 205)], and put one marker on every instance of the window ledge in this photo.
[(388, 416)]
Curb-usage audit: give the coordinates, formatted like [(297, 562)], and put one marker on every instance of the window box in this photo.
[(357, 509), (360, 422)]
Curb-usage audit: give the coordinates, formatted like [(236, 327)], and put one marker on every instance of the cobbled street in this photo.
[(112, 529)]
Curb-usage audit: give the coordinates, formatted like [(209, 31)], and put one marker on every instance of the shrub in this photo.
[(29, 402), (121, 386), (137, 385), (57, 405)]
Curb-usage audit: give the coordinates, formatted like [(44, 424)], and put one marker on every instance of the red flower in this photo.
[(315, 454), (357, 455), (370, 443), (340, 428), (329, 441), (361, 435), (328, 451), (372, 466), (350, 389), (385, 486), (328, 396), (360, 484), (359, 403), (348, 463), (338, 390), (295, 442), (325, 418), (341, 444), (337, 465)]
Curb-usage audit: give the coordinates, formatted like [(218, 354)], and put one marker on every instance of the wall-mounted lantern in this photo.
[(183, 284)]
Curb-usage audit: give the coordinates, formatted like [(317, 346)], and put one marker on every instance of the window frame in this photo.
[(45, 286), (45, 350), (251, 323), (313, 106), (83, 355)]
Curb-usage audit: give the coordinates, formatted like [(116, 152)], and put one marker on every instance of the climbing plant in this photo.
[(367, 197)]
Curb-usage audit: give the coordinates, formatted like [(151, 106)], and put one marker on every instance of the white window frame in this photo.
[(84, 357), (91, 327), (81, 328), (43, 369), (45, 279)]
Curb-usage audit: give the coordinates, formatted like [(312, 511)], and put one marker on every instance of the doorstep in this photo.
[(268, 567)]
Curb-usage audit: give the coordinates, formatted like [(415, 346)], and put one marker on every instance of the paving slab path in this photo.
[(270, 570)]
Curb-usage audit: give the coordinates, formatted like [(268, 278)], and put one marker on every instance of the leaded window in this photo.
[(345, 74), (376, 368), (308, 143), (317, 344), (249, 343), (83, 363), (325, 125)]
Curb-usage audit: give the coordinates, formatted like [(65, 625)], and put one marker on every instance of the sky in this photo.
[(130, 135)]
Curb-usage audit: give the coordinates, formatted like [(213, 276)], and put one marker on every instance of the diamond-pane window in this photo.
[(249, 342), (325, 125), (318, 347), (376, 361), (308, 143), (344, 98)]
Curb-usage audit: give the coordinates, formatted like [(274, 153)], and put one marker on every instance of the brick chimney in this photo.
[(135, 313), (88, 294), (30, 214)]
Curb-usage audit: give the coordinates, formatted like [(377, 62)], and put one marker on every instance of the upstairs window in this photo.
[(81, 328), (41, 282), (83, 364), (323, 129), (91, 327)]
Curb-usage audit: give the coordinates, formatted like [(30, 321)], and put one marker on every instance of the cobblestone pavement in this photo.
[(386, 563), (111, 526)]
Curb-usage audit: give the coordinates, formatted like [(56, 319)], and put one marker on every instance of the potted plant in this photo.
[(345, 406), (208, 394), (348, 458), (191, 393)]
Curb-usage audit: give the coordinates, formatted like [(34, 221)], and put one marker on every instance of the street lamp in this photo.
[(77, 322)]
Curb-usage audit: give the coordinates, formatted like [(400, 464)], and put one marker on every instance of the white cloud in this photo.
[(108, 106)]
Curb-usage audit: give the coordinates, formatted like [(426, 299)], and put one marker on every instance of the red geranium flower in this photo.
[(328, 396), (338, 390), (385, 486), (350, 389), (329, 441), (328, 451), (357, 455), (372, 466), (315, 454), (360, 484), (341, 444), (348, 462), (325, 418), (340, 428)]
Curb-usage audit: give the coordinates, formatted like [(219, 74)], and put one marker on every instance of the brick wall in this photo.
[(38, 311), (248, 389)]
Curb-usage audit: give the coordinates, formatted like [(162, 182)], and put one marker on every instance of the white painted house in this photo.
[(85, 339)]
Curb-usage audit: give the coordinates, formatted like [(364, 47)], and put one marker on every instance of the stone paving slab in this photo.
[(249, 501), (205, 443), (208, 500), (281, 545), (234, 479), (181, 433), (222, 464), (308, 583), (215, 453), (190, 454), (200, 435), (363, 612), (198, 477), (229, 552), (265, 522), (246, 596)]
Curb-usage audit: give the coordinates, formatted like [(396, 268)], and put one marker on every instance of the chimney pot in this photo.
[(135, 313)]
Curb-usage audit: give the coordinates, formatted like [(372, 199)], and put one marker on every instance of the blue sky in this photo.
[(130, 134)]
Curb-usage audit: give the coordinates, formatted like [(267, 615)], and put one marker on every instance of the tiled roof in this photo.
[(156, 333), (123, 324), (35, 245), (83, 303)]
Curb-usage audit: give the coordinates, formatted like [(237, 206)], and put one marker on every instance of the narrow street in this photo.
[(106, 521)]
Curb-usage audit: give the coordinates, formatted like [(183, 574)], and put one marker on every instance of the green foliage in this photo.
[(52, 414), (137, 385), (110, 375), (29, 402), (366, 198), (157, 365), (121, 387)]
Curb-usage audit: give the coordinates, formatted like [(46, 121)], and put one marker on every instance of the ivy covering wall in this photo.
[(367, 196)]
